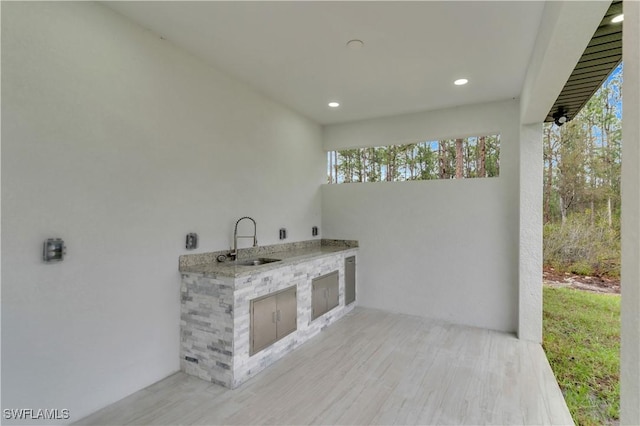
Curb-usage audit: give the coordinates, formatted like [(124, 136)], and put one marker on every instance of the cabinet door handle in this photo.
[(273, 317), (278, 315)]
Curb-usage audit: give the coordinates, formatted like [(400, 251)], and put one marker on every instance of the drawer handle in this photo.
[(278, 315)]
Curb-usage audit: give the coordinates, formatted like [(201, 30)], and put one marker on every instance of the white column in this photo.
[(630, 334), (530, 254)]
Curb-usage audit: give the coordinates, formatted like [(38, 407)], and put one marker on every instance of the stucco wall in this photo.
[(530, 245), (444, 249), (630, 233), (121, 144)]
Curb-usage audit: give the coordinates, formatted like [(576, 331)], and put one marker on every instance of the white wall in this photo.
[(630, 235), (531, 223), (120, 144), (439, 249), (564, 33)]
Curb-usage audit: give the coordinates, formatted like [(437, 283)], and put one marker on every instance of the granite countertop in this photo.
[(290, 254)]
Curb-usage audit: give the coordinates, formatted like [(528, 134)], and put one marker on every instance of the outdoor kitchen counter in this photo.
[(216, 298), (287, 258), (289, 254)]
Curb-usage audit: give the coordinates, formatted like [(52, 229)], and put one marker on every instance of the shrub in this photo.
[(582, 268), (583, 246)]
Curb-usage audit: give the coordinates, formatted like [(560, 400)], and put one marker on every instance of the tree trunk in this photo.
[(549, 180), (608, 160), (563, 212), (482, 150), (468, 166), (442, 159), (459, 159), (592, 173), (390, 159), (365, 164)]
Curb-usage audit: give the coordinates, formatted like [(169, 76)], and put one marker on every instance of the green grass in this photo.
[(582, 343)]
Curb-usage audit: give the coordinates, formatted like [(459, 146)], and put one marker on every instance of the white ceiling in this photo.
[(295, 52)]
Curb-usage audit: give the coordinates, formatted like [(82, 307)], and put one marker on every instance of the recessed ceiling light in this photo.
[(461, 81), (355, 44), (617, 18), (334, 104)]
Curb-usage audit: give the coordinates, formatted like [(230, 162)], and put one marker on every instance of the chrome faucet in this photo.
[(234, 253)]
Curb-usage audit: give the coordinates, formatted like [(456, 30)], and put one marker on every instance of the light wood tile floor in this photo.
[(371, 367)]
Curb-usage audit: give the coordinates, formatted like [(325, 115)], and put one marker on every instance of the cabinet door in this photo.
[(263, 323), (325, 294), (318, 298), (349, 280), (333, 290), (287, 312)]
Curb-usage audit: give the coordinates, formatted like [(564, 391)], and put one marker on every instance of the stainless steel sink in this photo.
[(256, 262)]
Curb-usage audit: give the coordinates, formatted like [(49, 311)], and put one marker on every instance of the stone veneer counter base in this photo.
[(215, 305)]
